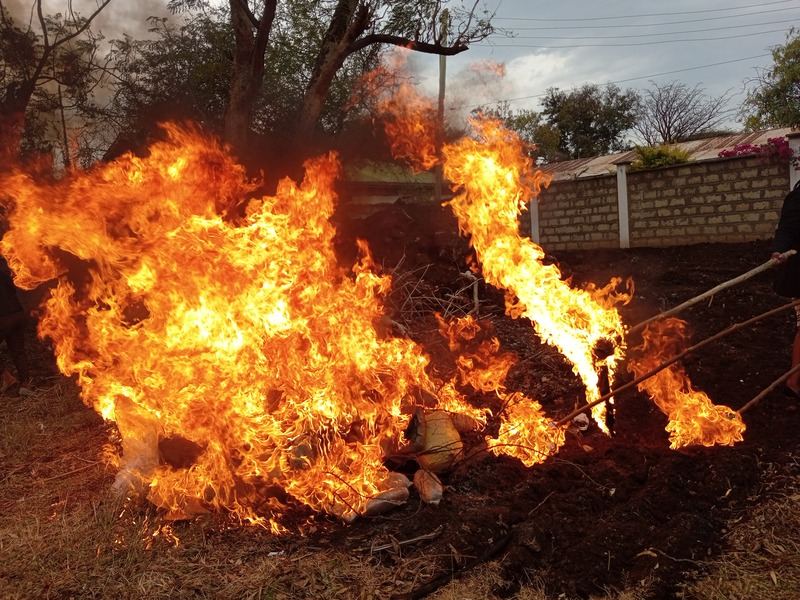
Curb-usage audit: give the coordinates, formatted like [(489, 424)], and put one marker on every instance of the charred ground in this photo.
[(606, 513)]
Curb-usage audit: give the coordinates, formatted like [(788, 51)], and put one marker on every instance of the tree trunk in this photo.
[(252, 37), (348, 22), (12, 119)]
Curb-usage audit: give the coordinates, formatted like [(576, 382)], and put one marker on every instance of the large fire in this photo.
[(243, 365)]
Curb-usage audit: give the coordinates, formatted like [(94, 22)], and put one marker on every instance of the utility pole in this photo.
[(437, 189)]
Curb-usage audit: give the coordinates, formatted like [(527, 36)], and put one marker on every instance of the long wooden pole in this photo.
[(674, 359), (722, 286), (766, 391), (437, 170)]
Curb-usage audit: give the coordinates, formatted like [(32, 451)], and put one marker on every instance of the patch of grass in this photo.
[(762, 557)]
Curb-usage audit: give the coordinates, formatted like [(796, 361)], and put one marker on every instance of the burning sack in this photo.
[(434, 440)]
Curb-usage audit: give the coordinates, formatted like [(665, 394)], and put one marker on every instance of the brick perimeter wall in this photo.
[(724, 200), (580, 213), (734, 199)]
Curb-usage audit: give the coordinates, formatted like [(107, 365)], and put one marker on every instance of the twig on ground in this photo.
[(674, 359), (68, 473), (722, 286), (665, 555), (442, 580), (13, 472), (420, 538), (538, 506)]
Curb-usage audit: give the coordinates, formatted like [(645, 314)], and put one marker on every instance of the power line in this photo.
[(547, 28), (650, 43), (638, 35), (725, 62), (669, 14)]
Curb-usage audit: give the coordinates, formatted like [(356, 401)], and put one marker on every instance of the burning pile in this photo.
[(243, 365)]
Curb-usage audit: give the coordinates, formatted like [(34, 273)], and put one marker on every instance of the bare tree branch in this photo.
[(674, 112), (403, 42)]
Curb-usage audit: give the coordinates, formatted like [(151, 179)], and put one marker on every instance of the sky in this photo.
[(719, 45)]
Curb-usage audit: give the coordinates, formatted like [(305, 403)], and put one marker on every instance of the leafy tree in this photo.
[(775, 101), (48, 72), (591, 120), (529, 125), (181, 71), (674, 112), (335, 32)]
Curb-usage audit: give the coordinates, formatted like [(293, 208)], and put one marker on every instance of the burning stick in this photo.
[(770, 388), (722, 286), (675, 359)]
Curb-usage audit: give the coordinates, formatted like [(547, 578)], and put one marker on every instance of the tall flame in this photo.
[(693, 418), (495, 179), (240, 340)]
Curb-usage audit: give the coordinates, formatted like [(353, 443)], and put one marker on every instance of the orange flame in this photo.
[(693, 418), (410, 125), (239, 340), (240, 362), (525, 432), (495, 179)]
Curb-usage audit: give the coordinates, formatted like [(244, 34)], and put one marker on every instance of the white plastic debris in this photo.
[(429, 486), (581, 422)]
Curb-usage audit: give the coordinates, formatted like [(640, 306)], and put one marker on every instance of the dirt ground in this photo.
[(606, 513)]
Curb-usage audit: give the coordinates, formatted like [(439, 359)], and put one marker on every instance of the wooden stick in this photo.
[(674, 359), (397, 543), (770, 388), (434, 584), (722, 286)]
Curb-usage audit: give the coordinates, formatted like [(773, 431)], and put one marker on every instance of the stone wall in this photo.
[(726, 200), (579, 213), (722, 200)]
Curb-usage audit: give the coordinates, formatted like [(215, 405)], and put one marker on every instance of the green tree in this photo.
[(775, 100), (591, 120), (529, 125), (181, 71), (334, 33), (49, 69)]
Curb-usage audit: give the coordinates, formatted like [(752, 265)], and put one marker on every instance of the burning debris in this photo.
[(244, 367), (673, 393)]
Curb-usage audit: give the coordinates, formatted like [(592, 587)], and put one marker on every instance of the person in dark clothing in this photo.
[(13, 320), (787, 280)]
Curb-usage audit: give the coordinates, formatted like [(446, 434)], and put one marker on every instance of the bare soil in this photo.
[(606, 513)]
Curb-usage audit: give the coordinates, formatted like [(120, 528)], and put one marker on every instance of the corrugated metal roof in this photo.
[(698, 150)]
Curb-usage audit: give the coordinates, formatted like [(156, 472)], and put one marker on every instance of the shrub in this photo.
[(651, 157), (778, 146)]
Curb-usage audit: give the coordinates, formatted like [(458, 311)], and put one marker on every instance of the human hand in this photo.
[(779, 258)]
